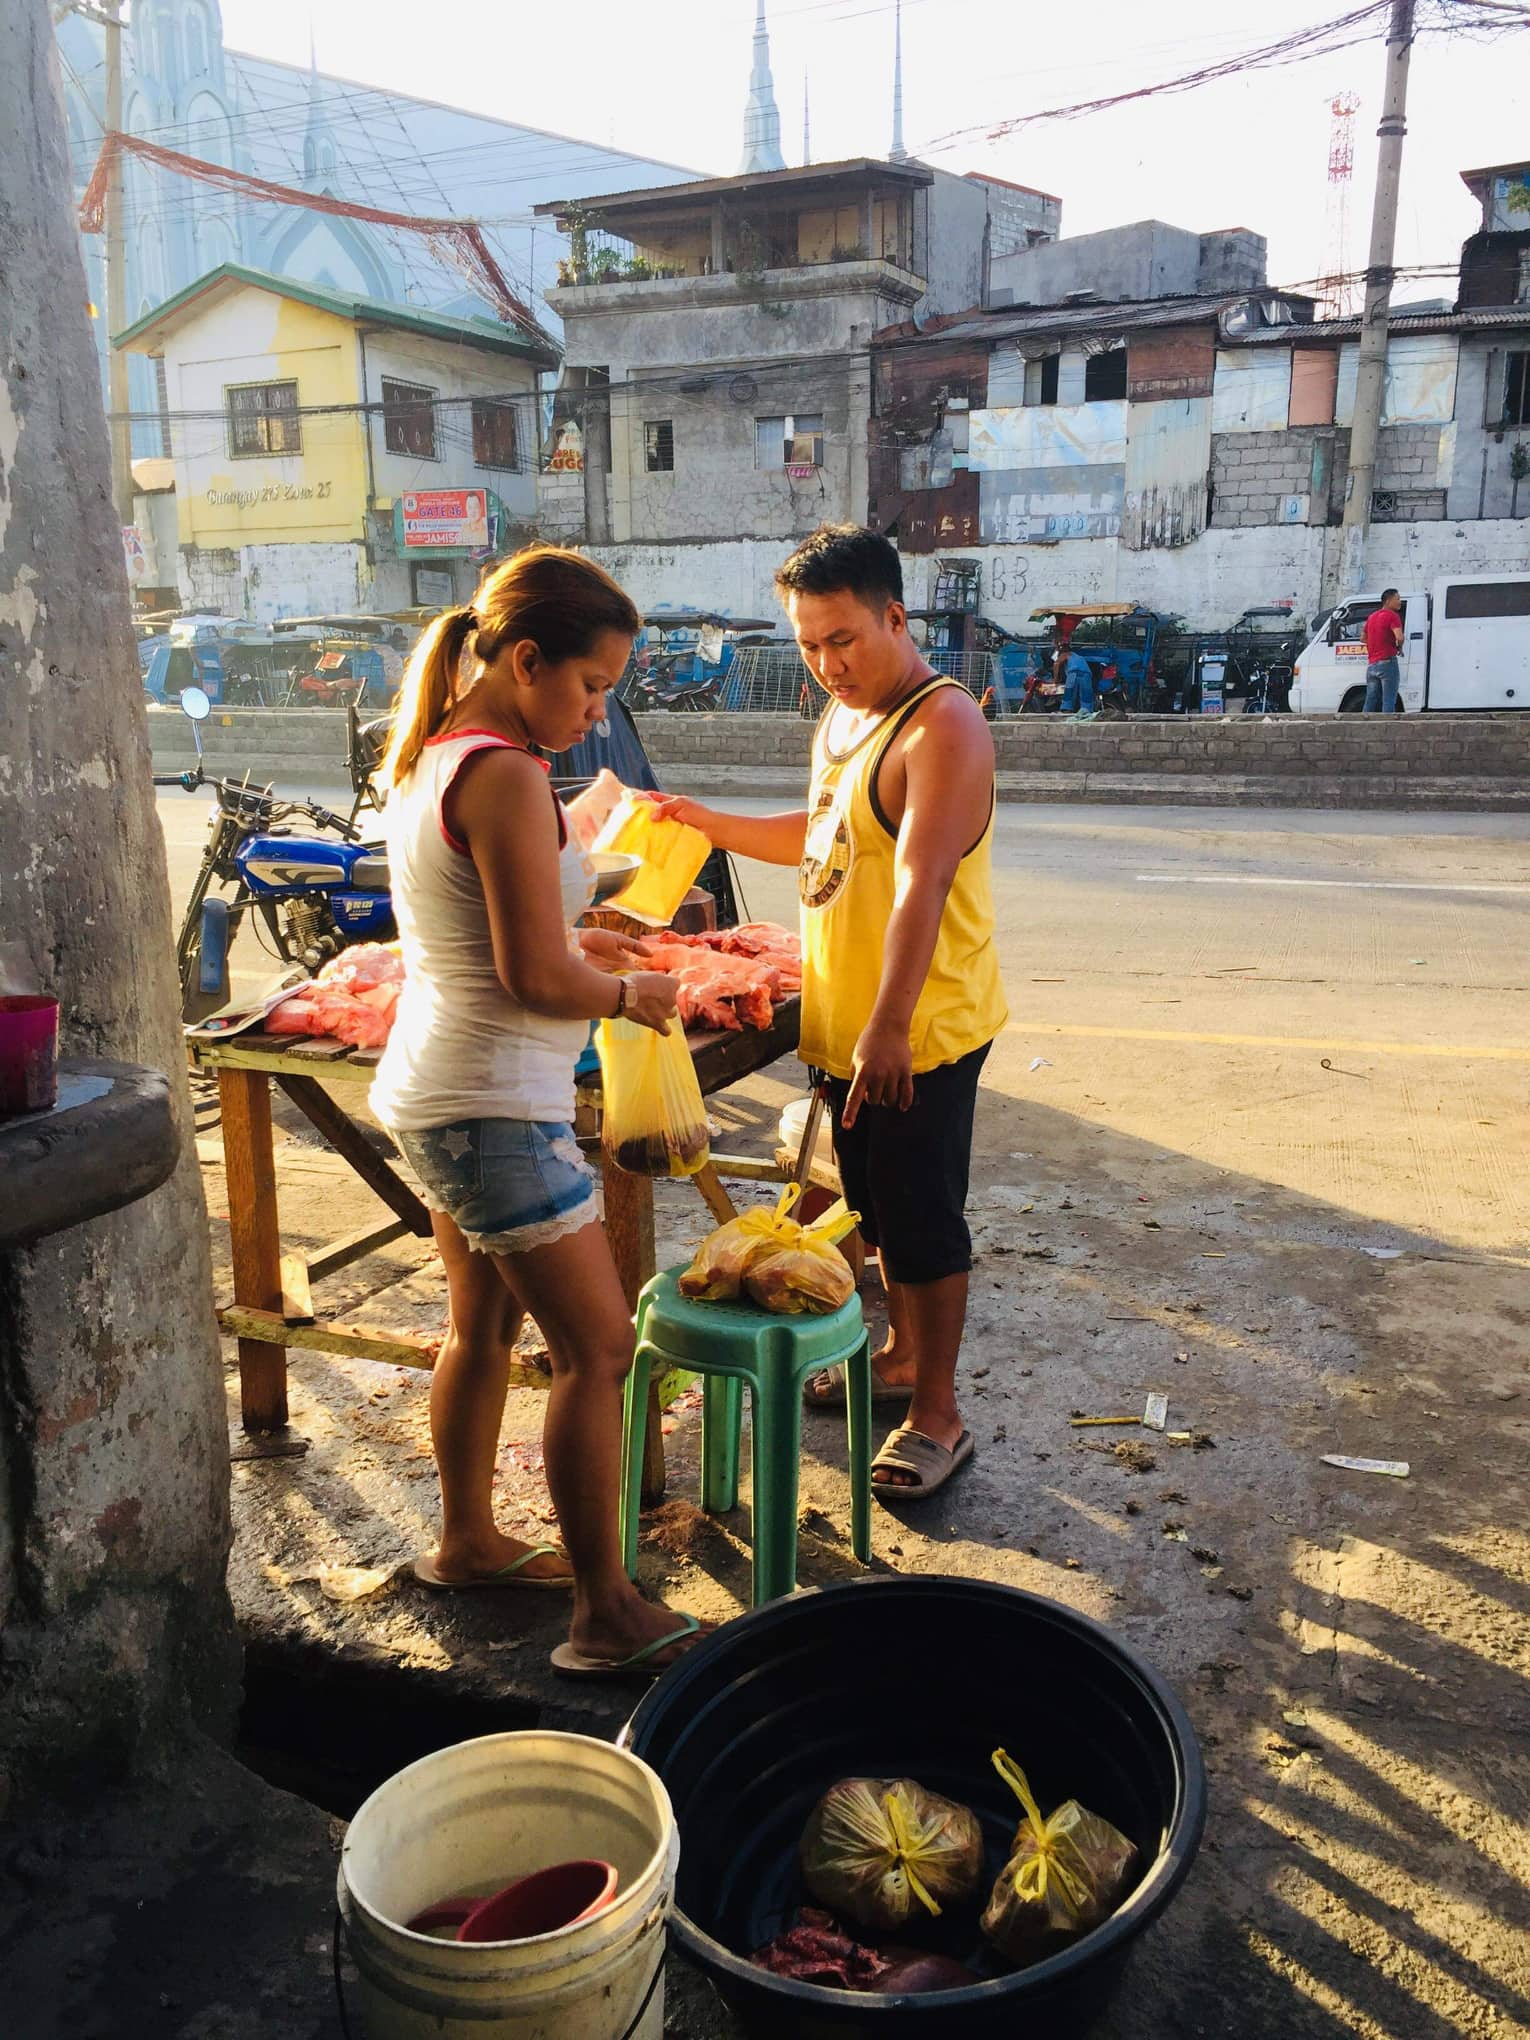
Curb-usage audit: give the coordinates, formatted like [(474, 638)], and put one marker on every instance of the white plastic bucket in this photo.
[(471, 1819), (794, 1125)]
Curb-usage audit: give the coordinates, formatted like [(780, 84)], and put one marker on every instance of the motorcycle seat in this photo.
[(370, 874)]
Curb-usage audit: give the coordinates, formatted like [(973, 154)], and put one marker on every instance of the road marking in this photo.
[(1459, 1052), (1336, 884)]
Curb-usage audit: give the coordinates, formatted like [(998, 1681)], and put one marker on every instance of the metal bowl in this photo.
[(614, 872)]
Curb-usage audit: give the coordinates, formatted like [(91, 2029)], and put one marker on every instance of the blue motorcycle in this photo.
[(312, 895)]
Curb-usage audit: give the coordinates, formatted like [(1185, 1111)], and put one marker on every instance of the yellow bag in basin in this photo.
[(672, 853)]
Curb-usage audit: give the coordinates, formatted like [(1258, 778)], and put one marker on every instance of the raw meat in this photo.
[(727, 984), (352, 999), (364, 965)]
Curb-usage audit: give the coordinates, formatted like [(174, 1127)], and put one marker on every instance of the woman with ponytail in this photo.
[(477, 1083)]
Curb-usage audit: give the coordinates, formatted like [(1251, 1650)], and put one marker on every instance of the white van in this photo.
[(1466, 644)]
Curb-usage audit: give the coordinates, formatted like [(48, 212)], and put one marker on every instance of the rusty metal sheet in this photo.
[(1168, 459), (1172, 361)]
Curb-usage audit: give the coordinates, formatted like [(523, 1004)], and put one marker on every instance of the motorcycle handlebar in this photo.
[(188, 781)]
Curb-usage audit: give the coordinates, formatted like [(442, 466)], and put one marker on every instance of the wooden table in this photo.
[(272, 1309)]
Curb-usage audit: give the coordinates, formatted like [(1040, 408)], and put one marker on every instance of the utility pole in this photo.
[(1371, 366), (119, 401)]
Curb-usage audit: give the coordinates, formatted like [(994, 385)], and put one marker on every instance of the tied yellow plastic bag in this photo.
[(885, 1851), (723, 1258), (810, 1276), (1065, 1875), (653, 1122), (672, 853)]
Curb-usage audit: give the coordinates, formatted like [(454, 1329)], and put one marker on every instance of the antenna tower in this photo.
[(1336, 289)]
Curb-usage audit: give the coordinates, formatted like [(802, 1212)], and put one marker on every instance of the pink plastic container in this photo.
[(28, 1053)]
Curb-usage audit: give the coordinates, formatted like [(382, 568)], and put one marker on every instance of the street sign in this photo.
[(445, 520)]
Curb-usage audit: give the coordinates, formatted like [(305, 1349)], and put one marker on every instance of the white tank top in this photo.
[(461, 1046)]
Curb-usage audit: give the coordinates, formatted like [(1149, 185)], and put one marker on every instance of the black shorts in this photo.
[(906, 1172)]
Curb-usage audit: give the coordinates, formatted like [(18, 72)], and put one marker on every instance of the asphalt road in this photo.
[(1181, 976)]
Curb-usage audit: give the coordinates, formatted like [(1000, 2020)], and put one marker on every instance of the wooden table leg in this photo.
[(629, 1228), (255, 1238)]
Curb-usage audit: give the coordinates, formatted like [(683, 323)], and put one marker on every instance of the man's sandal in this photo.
[(930, 1462)]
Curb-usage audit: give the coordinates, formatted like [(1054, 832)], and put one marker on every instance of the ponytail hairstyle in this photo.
[(558, 599)]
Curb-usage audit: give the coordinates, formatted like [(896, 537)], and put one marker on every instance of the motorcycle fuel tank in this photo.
[(274, 865)]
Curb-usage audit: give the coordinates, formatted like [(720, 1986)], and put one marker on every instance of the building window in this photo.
[(263, 420), (793, 441), (1041, 379), (1105, 376), (659, 446), (409, 419), (496, 441), (1516, 390)]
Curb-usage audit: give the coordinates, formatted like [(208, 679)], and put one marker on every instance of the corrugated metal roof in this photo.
[(1025, 322), (1479, 316)]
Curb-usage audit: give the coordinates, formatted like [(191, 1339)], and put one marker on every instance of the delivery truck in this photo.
[(1466, 645)]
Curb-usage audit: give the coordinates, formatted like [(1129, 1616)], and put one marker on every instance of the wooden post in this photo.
[(629, 1228), (255, 1238)]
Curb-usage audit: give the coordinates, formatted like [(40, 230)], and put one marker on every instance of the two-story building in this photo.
[(716, 387), (333, 453)]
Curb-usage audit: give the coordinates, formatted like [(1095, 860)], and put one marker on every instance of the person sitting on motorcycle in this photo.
[(477, 1082)]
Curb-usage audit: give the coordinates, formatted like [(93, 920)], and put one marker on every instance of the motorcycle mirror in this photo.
[(194, 702)]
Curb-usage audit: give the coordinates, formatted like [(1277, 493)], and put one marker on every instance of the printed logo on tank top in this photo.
[(826, 853)]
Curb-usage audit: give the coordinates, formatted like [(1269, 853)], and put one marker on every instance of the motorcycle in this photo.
[(663, 687), (312, 896)]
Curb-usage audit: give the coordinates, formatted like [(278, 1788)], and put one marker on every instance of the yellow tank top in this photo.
[(845, 883)]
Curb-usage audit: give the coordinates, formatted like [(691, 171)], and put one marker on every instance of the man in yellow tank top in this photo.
[(901, 992)]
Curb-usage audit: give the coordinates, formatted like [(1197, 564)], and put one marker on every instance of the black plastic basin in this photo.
[(921, 1678)]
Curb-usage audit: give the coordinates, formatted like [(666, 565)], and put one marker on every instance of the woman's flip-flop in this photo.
[(931, 1464), (573, 1664), (509, 1575), (825, 1390)]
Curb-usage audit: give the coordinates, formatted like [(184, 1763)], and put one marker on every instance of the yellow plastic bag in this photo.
[(810, 1274), (672, 853), (723, 1258), (653, 1122), (1065, 1875), (885, 1852), (729, 1258)]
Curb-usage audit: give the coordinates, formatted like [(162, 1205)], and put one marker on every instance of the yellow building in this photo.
[(333, 453)]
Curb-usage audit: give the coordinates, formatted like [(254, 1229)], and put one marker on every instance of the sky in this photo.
[(668, 80)]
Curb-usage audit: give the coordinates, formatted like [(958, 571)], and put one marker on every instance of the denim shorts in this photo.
[(508, 1184)]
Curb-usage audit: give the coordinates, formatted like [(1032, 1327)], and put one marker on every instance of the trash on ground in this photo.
[(1155, 1415), (1135, 1456), (351, 1582), (1397, 1468), (1041, 1063), (1078, 1423)]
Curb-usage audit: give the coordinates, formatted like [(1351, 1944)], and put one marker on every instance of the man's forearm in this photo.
[(913, 929), (770, 839)]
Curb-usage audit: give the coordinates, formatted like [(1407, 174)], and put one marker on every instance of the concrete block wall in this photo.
[(1252, 471), (1333, 761)]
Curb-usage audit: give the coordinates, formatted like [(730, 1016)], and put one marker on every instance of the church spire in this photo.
[(898, 152), (762, 122), (319, 152)]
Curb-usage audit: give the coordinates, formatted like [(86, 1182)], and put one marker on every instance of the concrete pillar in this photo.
[(114, 1524)]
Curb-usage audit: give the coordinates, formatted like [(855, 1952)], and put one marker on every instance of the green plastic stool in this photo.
[(730, 1344)]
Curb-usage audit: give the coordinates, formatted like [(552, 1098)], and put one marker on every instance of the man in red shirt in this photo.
[(1383, 643)]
